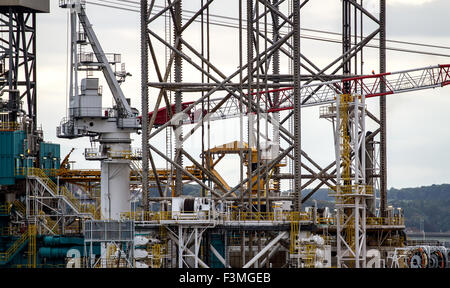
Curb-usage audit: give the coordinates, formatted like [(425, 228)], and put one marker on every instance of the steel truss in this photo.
[(188, 240), (327, 92), (261, 59), (252, 89)]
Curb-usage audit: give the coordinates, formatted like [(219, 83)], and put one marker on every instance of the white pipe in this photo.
[(264, 250), (217, 254), (271, 253)]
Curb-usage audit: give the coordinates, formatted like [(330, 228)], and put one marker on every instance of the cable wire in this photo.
[(128, 7), (306, 29)]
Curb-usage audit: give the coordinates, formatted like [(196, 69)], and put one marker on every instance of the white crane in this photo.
[(110, 127)]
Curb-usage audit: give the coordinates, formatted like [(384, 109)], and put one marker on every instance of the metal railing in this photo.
[(326, 111), (65, 3), (23, 171), (308, 255), (5, 209), (112, 263), (6, 256), (162, 216), (20, 207), (93, 111), (51, 224), (119, 154), (372, 221), (396, 220), (88, 57), (326, 221), (157, 251), (9, 126), (233, 216), (94, 153), (267, 216), (60, 190)]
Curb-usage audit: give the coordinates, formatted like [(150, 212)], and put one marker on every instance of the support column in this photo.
[(144, 103), (115, 176), (249, 98), (297, 110), (178, 75), (276, 72), (180, 246), (196, 247), (383, 150)]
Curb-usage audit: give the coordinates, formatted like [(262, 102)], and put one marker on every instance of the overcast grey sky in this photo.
[(418, 123)]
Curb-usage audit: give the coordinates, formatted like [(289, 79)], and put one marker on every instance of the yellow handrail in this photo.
[(9, 126), (294, 237), (5, 208), (62, 191), (234, 216), (5, 256), (156, 253), (32, 246), (20, 207)]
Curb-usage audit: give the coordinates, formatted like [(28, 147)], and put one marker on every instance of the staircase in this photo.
[(21, 210), (5, 209), (5, 257), (85, 210)]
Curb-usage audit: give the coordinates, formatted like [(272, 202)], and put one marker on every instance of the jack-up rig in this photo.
[(132, 214)]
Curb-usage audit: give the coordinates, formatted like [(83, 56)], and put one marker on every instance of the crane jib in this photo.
[(314, 94)]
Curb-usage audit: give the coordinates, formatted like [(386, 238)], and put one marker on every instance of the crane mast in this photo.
[(110, 127)]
